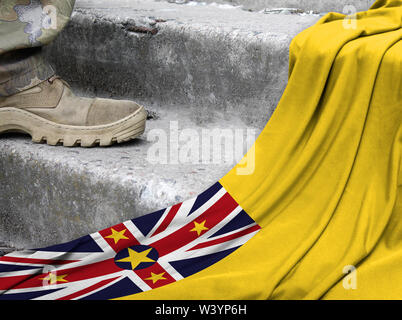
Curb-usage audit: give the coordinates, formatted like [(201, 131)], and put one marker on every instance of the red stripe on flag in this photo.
[(91, 270), (212, 216), (119, 237), (155, 276), (168, 219), (73, 274), (227, 238), (36, 261), (8, 283), (87, 290)]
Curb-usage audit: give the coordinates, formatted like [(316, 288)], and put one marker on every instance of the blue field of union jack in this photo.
[(135, 256)]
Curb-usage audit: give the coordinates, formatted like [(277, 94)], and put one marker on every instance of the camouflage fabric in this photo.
[(26, 26)]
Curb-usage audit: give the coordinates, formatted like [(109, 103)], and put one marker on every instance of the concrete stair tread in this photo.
[(206, 67), (127, 163), (203, 56), (204, 18), (304, 5), (56, 194)]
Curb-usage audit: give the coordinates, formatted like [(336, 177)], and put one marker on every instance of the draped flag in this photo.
[(323, 203), (134, 256)]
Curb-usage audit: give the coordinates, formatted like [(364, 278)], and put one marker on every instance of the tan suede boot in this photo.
[(51, 112)]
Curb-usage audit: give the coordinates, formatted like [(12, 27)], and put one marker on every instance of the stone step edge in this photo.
[(252, 72)]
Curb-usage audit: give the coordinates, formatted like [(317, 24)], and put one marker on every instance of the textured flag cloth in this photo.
[(132, 257), (324, 195)]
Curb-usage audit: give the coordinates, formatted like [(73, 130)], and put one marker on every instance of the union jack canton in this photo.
[(135, 256)]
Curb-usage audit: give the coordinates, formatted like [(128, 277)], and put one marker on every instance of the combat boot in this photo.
[(50, 112)]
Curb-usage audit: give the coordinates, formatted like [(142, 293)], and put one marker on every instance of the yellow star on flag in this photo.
[(199, 227), (135, 258), (156, 277), (117, 235), (53, 278)]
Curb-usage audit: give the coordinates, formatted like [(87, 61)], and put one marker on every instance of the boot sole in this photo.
[(42, 130)]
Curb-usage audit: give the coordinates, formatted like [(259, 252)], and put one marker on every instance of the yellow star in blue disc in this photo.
[(135, 258)]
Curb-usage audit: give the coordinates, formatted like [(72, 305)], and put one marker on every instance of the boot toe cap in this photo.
[(105, 111)]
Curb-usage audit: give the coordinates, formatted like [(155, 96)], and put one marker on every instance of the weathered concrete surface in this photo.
[(53, 194), (4, 249), (205, 67), (208, 57), (305, 5)]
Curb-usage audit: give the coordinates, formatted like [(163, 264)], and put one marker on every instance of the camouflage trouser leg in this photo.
[(25, 26)]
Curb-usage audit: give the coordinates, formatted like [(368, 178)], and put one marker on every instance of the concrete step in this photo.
[(304, 5), (53, 194), (4, 249), (205, 56), (197, 69)]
